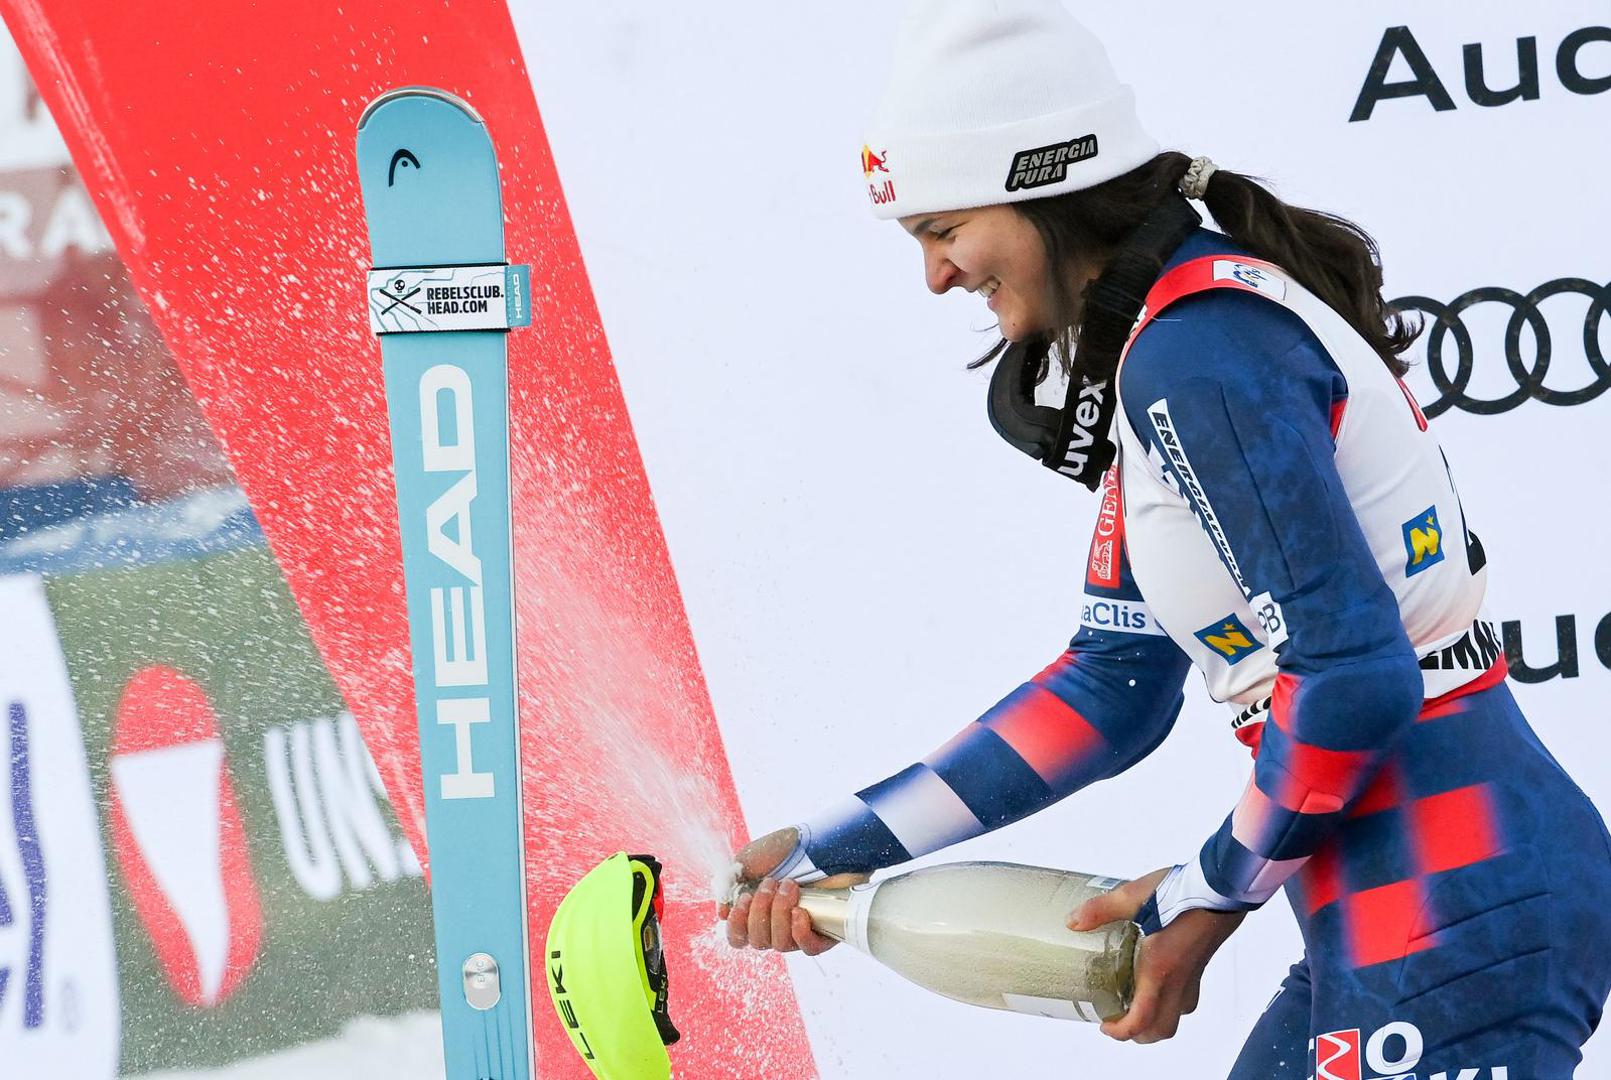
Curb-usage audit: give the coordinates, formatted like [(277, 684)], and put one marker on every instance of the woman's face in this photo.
[(992, 251)]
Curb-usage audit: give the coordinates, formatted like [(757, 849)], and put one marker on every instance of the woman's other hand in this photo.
[(1169, 964), (769, 916)]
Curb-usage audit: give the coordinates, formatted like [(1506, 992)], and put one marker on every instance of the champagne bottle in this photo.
[(988, 933)]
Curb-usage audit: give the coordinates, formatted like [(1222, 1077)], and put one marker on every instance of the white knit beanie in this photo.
[(993, 101)]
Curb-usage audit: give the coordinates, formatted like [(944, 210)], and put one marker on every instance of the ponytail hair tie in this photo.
[(1195, 182)]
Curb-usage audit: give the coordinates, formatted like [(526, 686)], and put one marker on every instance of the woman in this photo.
[(1277, 515)]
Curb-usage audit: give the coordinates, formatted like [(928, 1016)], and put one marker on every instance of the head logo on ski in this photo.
[(402, 157), (442, 296)]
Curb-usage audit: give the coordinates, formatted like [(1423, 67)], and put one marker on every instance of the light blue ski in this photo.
[(441, 297)]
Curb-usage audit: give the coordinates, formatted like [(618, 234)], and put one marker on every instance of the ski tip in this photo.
[(418, 91)]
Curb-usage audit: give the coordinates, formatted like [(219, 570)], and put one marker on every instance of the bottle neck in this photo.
[(840, 913)]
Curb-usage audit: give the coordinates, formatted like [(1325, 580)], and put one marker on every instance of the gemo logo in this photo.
[(328, 800), (1577, 68), (1535, 664), (458, 611), (1391, 1052), (1105, 556)]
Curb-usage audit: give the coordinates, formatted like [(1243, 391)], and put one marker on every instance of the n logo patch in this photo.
[(1230, 639), (1423, 542)]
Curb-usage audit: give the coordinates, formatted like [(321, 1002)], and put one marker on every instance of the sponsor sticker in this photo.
[(1391, 1052), (1123, 616), (491, 297), (1475, 650), (1337, 1056), (1049, 164), (1108, 538), (1163, 423), (1271, 620), (1423, 542), (1230, 639), (1254, 277)]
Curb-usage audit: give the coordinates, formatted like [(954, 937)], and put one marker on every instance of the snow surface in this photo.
[(404, 1047)]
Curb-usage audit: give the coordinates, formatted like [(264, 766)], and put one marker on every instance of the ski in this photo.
[(441, 298)]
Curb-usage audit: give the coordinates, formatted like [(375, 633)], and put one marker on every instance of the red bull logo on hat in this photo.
[(871, 163)]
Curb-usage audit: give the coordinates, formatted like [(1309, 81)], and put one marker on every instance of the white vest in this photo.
[(1392, 469)]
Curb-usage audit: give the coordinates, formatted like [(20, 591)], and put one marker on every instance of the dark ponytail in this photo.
[(1328, 255)]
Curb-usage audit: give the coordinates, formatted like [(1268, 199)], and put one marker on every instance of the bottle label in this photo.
[(859, 907), (1053, 1007)]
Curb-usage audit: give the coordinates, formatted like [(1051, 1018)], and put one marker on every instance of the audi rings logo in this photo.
[(1529, 347)]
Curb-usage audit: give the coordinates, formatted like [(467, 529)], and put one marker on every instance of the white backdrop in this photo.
[(867, 566)]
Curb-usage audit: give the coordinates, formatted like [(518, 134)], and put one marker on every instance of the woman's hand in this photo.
[(769, 917), (1169, 964)]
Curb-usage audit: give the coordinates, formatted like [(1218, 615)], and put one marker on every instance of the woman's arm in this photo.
[(1098, 709), (1235, 407)]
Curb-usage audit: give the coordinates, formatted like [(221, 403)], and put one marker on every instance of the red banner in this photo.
[(217, 142)]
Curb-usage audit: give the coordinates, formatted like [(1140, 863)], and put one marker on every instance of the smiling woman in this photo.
[(996, 252), (1277, 514)]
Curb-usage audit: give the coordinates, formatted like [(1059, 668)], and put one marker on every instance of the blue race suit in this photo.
[(1282, 518)]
